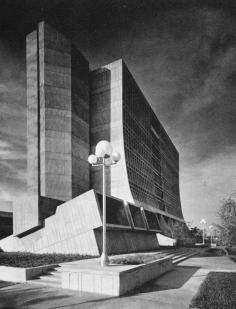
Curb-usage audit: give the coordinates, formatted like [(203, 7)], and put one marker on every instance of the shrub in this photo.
[(231, 250), (138, 258), (27, 259), (213, 252)]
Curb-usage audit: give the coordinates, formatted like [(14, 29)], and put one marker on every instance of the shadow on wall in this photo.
[(100, 120)]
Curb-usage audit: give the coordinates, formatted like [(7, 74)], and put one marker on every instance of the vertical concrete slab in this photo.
[(55, 113), (57, 126), (26, 213)]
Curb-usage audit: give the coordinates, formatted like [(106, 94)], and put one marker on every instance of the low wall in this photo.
[(18, 274), (114, 279)]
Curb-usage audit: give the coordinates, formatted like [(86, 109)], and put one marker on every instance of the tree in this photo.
[(227, 226), (196, 234), (180, 232)]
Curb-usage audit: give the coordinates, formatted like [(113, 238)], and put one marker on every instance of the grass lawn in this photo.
[(218, 291), (26, 259)]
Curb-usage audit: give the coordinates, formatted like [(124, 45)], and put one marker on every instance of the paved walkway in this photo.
[(174, 290)]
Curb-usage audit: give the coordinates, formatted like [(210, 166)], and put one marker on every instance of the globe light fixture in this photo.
[(103, 149), (115, 156), (105, 157), (203, 222), (92, 159)]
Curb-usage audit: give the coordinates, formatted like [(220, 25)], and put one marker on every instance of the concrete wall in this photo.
[(121, 114), (76, 227), (17, 274), (69, 230), (121, 241), (55, 113), (114, 280), (57, 126), (64, 116), (107, 123)]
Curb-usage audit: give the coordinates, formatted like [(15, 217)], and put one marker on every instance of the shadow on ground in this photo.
[(4, 284), (32, 296), (175, 279)]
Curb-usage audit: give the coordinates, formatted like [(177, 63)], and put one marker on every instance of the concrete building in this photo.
[(69, 110)]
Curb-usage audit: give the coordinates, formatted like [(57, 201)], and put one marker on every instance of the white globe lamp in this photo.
[(116, 156), (103, 149), (92, 159)]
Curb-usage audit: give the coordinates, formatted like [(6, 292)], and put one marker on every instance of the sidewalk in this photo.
[(174, 290)]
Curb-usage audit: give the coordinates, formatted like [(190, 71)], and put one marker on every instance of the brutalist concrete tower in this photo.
[(57, 126)]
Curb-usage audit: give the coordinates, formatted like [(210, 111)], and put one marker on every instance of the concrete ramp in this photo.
[(76, 227)]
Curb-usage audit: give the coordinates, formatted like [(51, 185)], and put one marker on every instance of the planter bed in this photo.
[(23, 266)]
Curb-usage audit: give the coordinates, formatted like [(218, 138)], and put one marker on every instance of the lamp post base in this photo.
[(104, 260)]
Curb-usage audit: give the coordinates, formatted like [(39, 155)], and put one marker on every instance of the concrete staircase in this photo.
[(53, 277), (183, 255)]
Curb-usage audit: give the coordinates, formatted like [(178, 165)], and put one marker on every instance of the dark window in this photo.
[(115, 211), (152, 220), (137, 216)]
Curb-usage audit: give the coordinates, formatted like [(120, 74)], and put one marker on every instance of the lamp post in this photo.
[(104, 156), (203, 222)]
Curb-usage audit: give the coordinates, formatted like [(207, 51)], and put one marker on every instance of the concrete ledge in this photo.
[(114, 279), (18, 274)]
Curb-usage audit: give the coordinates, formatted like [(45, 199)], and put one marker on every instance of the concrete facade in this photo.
[(57, 126), (114, 280), (76, 227), (148, 174)]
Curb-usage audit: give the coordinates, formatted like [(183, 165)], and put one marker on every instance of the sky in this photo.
[(181, 53)]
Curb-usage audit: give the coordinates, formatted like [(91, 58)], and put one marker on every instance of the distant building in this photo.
[(69, 110)]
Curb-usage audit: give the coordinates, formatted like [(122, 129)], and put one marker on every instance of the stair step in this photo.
[(50, 278), (45, 282), (184, 257), (179, 255), (55, 274)]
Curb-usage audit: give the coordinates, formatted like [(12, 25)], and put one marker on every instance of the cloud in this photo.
[(204, 185), (12, 123)]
